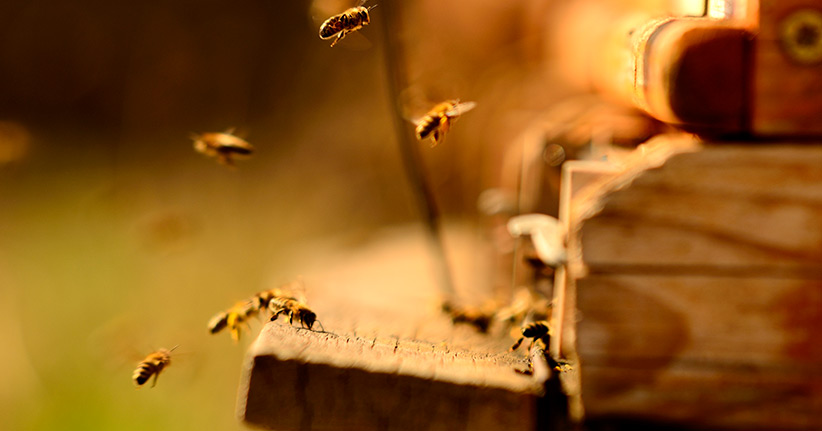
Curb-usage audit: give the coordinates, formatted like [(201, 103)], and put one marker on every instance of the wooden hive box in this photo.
[(695, 272)]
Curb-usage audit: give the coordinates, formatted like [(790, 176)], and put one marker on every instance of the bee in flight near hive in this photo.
[(438, 120), (349, 21), (294, 308), (539, 331), (240, 313), (152, 365), (222, 145), (234, 318)]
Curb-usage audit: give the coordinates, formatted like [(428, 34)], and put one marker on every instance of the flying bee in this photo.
[(539, 331), (234, 318), (222, 145), (349, 21), (479, 319), (152, 365), (264, 297), (294, 289), (218, 322), (292, 307), (438, 120)]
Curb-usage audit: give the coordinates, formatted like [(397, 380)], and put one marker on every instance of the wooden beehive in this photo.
[(389, 359), (696, 270), (692, 296)]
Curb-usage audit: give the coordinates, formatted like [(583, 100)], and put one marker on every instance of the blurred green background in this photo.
[(116, 238)]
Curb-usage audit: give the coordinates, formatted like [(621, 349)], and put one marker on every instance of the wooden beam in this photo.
[(299, 379), (698, 279), (390, 359)]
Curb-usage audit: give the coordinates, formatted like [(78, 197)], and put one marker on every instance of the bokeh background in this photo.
[(116, 238)]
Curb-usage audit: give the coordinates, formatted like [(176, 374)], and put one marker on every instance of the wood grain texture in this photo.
[(728, 207), (698, 282), (389, 359), (299, 379)]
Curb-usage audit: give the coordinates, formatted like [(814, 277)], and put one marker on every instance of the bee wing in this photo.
[(414, 120), (461, 108), (296, 289), (355, 41), (320, 10)]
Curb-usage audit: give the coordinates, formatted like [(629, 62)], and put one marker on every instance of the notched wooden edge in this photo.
[(373, 371)]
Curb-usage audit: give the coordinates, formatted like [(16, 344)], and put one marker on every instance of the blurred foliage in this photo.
[(116, 238)]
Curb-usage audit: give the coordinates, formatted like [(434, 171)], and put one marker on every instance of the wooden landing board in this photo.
[(389, 359), (298, 379), (699, 286)]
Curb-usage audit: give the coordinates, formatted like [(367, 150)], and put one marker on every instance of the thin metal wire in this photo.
[(391, 28)]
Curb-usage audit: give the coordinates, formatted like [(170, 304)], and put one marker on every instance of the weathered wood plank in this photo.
[(390, 359), (734, 205), (782, 399), (699, 286), (741, 321), (298, 379)]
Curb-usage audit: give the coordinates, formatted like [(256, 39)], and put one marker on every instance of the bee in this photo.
[(349, 21), (525, 305), (233, 318), (479, 319), (438, 120), (539, 331), (264, 297), (558, 365), (292, 307), (152, 365), (222, 145), (242, 311)]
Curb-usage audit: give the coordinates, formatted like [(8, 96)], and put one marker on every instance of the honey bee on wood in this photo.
[(539, 331), (294, 308), (438, 120), (152, 365), (234, 318), (222, 145), (479, 319), (349, 21), (558, 365), (294, 289), (264, 297), (238, 315)]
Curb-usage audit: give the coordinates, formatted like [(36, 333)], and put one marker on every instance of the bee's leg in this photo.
[(445, 124), (276, 315), (290, 317), (225, 159), (516, 345), (339, 38), (435, 138), (155, 379), (234, 327)]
